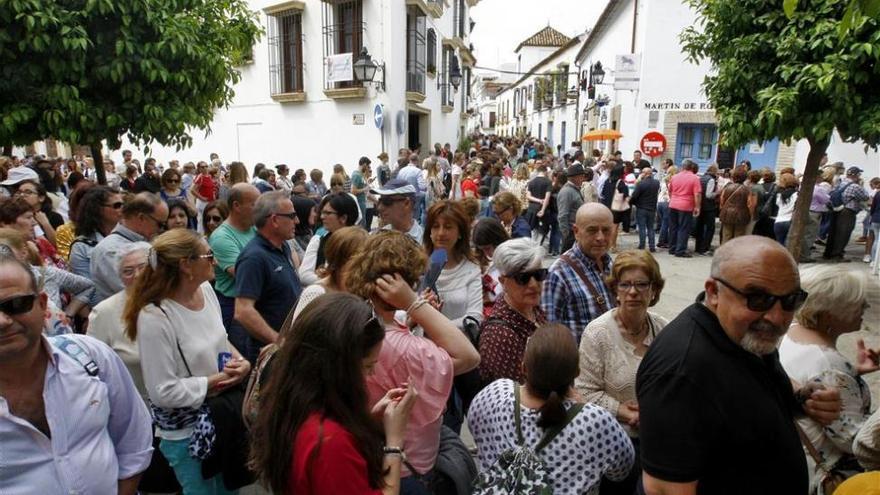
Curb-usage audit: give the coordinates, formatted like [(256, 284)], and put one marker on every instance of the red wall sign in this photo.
[(653, 144)]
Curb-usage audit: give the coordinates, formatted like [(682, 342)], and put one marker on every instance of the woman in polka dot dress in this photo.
[(591, 446)]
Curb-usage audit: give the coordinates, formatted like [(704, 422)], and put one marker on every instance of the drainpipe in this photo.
[(577, 104), (635, 25)]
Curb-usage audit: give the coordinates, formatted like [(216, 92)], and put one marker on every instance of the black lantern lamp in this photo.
[(454, 73), (598, 74), (365, 69)]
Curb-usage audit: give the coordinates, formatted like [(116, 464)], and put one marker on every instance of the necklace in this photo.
[(642, 328)]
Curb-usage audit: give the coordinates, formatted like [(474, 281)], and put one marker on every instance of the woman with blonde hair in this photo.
[(518, 184), (434, 182), (338, 252), (663, 206), (508, 208), (174, 316)]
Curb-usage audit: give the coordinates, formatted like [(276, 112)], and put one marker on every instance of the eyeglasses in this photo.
[(639, 286), (523, 278), (213, 218), (117, 205), (25, 192), (327, 213), (131, 271), (761, 301), (291, 215), (388, 201), (18, 305), (498, 213), (159, 223), (208, 256)]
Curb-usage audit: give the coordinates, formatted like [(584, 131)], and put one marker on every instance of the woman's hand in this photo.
[(236, 369), (433, 299), (396, 416), (394, 290), (393, 395), (867, 359), (42, 219), (628, 412)]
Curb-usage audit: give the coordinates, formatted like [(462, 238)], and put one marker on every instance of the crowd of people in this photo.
[(196, 329)]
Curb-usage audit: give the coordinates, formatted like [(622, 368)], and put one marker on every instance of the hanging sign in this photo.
[(339, 68)]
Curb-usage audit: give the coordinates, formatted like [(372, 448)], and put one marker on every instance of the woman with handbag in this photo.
[(615, 195), (808, 352), (173, 314), (736, 207), (318, 432)]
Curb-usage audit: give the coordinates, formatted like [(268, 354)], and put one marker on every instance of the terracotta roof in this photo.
[(545, 37)]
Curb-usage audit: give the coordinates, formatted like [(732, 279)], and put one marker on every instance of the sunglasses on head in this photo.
[(18, 305), (761, 301), (523, 278)]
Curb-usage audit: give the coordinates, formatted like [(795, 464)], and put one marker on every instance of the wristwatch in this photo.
[(398, 451)]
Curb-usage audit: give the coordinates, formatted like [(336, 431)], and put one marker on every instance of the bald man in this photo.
[(716, 409), (575, 292), (227, 241)]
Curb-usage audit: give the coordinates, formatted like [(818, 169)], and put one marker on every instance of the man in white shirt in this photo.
[(396, 204), (71, 419)]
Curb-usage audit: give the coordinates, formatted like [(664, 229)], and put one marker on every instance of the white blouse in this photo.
[(609, 363), (106, 325), (165, 341), (461, 290)]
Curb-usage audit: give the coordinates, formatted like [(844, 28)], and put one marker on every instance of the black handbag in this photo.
[(159, 477)]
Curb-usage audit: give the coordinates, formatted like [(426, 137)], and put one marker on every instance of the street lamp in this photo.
[(365, 69), (454, 73), (598, 74)]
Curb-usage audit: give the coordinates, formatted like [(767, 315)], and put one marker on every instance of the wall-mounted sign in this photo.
[(358, 119), (379, 116), (688, 105), (756, 148), (626, 71), (339, 68)]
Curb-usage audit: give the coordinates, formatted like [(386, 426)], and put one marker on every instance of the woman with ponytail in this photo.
[(173, 315), (590, 445)]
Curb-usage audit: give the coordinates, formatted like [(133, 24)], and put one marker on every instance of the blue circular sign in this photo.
[(379, 116)]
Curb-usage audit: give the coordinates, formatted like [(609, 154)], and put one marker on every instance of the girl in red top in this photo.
[(470, 186), (316, 396)]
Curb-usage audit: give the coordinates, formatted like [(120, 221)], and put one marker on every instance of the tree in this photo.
[(870, 8), (84, 71), (789, 78)]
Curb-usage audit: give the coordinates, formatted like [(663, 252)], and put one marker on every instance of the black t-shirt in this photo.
[(538, 188), (711, 411)]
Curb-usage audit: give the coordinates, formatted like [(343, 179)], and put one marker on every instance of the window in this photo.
[(446, 96), (415, 51), (707, 143), (343, 30), (432, 52), (285, 52), (459, 17), (491, 120)]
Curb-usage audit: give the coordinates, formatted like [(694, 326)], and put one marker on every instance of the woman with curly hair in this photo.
[(384, 272)]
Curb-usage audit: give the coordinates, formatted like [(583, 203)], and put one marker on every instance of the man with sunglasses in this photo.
[(71, 419), (143, 217), (267, 286), (716, 408), (397, 200)]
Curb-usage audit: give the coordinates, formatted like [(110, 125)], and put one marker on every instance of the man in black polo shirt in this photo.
[(266, 283), (716, 408)]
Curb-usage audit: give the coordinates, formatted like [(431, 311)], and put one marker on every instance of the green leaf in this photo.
[(789, 6), (870, 8)]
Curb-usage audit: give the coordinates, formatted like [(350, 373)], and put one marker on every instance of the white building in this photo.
[(543, 101), (650, 86), (483, 106), (288, 109)]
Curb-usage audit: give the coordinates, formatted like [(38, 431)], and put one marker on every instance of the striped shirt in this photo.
[(566, 300)]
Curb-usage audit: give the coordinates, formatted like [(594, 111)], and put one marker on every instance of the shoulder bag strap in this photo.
[(600, 299), (810, 448), (516, 415), (176, 341), (551, 433), (71, 348)]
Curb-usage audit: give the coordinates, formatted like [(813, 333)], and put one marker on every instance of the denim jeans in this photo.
[(189, 470), (645, 222), (781, 231), (663, 216), (681, 223)]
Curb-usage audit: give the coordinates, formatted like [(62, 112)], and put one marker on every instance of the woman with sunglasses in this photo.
[(318, 432), (99, 212), (336, 210), (215, 213), (835, 305), (174, 316), (613, 345), (517, 312)]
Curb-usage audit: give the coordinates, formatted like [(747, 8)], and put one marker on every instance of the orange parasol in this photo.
[(602, 135)]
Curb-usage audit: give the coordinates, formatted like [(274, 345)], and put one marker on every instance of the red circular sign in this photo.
[(653, 144)]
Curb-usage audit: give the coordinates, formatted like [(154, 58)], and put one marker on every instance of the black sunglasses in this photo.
[(386, 201), (761, 301), (208, 256), (214, 218), (18, 305), (523, 278)]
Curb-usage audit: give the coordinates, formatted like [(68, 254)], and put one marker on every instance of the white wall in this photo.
[(851, 154), (319, 132)]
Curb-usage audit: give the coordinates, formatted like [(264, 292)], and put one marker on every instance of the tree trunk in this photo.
[(98, 157), (805, 196)]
